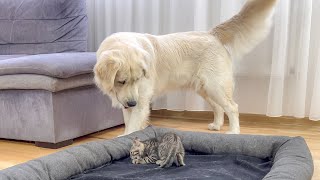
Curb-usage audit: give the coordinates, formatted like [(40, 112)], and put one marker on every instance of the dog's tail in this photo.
[(245, 30)]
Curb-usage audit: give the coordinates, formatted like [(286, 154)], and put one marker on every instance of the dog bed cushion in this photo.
[(227, 157), (199, 166)]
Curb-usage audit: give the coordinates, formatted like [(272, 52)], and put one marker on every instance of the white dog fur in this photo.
[(134, 68)]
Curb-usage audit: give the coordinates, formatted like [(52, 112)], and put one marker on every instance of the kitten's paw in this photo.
[(158, 162), (135, 161), (214, 127)]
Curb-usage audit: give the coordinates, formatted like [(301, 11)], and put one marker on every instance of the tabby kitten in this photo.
[(170, 151), (144, 152), (165, 152)]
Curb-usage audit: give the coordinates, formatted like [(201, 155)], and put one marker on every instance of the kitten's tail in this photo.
[(170, 158)]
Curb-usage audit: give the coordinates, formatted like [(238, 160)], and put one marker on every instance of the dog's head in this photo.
[(121, 74)]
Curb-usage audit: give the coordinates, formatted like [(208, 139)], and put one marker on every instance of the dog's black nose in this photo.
[(132, 103)]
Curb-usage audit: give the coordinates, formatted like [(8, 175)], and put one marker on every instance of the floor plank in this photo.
[(15, 152)]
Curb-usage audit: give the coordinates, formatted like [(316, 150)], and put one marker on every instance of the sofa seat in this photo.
[(52, 72), (59, 65), (34, 81), (6, 57)]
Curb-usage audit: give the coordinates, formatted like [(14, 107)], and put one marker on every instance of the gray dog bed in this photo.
[(209, 156)]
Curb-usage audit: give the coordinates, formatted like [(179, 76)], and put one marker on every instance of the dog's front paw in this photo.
[(214, 127)]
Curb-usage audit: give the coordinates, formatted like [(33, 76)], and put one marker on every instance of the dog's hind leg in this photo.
[(223, 97), (217, 110), (218, 117)]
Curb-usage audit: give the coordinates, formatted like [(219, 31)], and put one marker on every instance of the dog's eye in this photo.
[(122, 82)]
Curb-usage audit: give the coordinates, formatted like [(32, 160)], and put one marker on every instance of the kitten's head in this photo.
[(137, 148)]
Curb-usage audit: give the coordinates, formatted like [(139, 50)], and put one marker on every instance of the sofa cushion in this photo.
[(5, 57), (43, 26), (34, 81), (58, 65)]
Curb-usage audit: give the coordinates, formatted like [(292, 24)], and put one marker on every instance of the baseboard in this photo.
[(199, 115), (208, 115)]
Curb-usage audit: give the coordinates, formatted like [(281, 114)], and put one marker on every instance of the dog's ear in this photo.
[(146, 61), (145, 65), (145, 70), (145, 73), (106, 69)]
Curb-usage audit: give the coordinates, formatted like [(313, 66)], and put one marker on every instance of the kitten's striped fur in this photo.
[(144, 152), (170, 151)]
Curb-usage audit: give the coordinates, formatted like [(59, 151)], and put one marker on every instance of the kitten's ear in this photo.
[(136, 141)]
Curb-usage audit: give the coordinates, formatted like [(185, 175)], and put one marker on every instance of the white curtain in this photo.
[(279, 77)]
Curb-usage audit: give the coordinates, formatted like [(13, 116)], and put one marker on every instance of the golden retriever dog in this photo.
[(134, 68)]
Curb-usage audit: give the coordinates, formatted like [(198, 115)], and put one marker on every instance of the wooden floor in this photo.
[(15, 152)]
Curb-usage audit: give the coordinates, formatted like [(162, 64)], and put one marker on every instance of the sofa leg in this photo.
[(54, 145)]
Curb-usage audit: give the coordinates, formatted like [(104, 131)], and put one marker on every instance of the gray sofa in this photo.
[(47, 93)]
